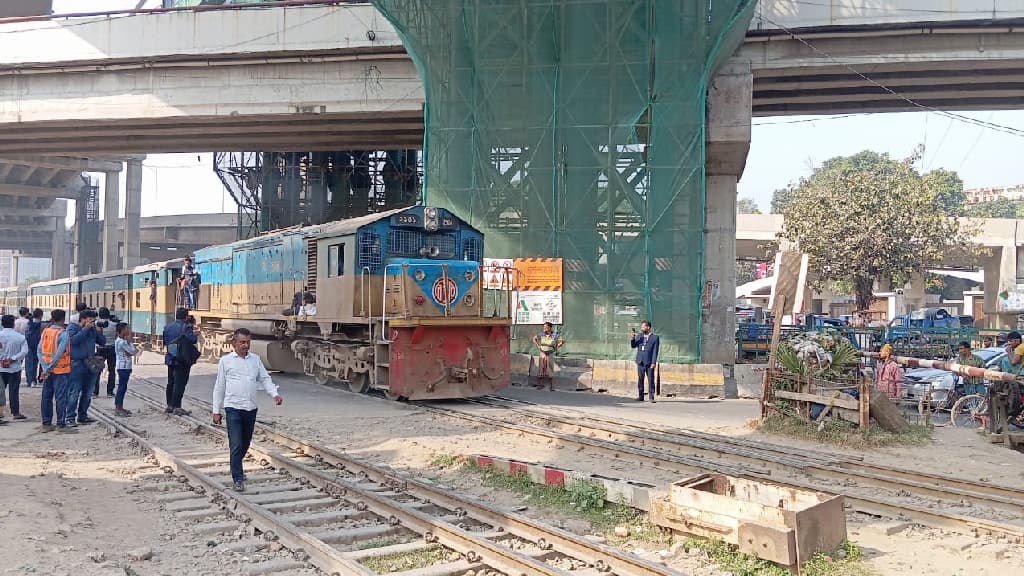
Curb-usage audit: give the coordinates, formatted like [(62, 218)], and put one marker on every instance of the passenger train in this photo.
[(392, 301)]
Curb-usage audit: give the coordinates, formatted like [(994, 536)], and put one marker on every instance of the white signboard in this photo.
[(538, 307), (497, 273)]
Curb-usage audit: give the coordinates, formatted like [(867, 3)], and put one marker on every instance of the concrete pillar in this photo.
[(133, 213), (1000, 274), (914, 293), (111, 207), (728, 141), (15, 257), (59, 265)]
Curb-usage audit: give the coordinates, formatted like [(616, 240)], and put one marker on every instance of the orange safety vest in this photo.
[(49, 342)]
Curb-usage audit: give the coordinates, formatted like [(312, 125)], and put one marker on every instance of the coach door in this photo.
[(239, 285)]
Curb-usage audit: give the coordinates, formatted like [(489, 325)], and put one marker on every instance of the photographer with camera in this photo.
[(107, 325), (84, 338)]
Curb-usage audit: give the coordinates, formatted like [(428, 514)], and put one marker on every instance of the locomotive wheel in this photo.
[(359, 383)]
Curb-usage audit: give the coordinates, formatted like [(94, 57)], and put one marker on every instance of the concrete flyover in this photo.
[(284, 78), (835, 56), (322, 76)]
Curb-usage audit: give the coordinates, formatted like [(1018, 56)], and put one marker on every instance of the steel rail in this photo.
[(864, 503), (321, 554), (602, 557), (879, 476), (847, 462)]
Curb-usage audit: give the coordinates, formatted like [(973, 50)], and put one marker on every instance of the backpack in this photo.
[(184, 351)]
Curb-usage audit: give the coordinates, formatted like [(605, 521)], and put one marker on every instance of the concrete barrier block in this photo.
[(618, 377), (634, 494), (748, 379)]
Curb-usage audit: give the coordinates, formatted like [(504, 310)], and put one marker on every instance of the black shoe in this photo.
[(168, 410), (182, 412), (86, 420), (239, 486)]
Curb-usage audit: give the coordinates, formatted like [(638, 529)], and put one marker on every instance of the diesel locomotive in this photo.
[(393, 301)]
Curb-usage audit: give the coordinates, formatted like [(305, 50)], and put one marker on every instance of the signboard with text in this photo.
[(538, 307), (538, 274)]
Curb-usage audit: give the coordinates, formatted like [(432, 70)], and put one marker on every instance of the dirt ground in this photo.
[(69, 495), (70, 505)]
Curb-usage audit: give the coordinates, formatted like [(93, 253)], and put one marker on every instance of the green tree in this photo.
[(781, 199), (1001, 208), (747, 206), (948, 189), (869, 216)]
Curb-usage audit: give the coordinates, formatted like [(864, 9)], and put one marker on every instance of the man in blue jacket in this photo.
[(647, 345), (177, 372), (83, 338)]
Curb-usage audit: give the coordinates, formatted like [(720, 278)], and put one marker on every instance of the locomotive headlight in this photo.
[(469, 300), (419, 275), (430, 220), (470, 275)]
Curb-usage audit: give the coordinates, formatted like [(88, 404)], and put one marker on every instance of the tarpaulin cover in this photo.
[(575, 129)]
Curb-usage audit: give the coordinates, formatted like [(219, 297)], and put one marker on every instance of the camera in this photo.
[(102, 323)]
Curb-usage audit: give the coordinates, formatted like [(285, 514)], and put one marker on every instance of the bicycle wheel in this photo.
[(969, 411)]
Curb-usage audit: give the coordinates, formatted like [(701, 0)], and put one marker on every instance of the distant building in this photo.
[(6, 268), (991, 194)]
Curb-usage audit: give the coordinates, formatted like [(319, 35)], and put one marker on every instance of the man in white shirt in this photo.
[(21, 322), (13, 350), (240, 375)]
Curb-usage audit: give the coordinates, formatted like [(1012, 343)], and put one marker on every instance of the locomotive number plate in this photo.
[(445, 292)]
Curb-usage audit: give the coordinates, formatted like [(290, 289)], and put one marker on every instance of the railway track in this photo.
[(331, 507), (929, 499)]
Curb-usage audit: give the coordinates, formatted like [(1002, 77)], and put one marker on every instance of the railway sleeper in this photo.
[(355, 535)]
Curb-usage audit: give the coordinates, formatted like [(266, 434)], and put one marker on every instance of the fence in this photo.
[(752, 339)]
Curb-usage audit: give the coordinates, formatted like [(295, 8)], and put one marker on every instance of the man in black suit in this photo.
[(646, 344)]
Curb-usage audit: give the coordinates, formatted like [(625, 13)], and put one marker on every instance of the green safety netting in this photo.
[(575, 129)]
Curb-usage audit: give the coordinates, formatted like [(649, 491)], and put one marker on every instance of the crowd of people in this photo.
[(66, 357)]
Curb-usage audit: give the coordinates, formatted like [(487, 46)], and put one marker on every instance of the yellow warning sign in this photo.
[(538, 274)]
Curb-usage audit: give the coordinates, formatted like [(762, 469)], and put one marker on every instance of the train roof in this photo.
[(352, 224)]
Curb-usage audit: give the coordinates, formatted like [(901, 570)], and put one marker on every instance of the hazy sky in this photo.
[(782, 149)]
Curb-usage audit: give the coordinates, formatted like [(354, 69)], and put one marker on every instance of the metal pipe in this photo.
[(258, 327), (950, 367)]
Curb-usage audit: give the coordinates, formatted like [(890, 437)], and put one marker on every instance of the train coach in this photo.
[(390, 301), (144, 296), (12, 298)]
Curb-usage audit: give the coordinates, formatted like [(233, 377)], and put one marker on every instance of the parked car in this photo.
[(916, 381)]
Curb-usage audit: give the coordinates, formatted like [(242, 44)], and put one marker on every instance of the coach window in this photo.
[(335, 260)]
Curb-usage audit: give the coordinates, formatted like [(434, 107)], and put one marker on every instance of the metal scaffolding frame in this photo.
[(279, 189)]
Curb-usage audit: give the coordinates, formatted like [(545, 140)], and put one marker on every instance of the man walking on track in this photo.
[(646, 344), (240, 375), (55, 367)]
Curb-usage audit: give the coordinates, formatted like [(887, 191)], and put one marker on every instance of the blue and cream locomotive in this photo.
[(390, 301)]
